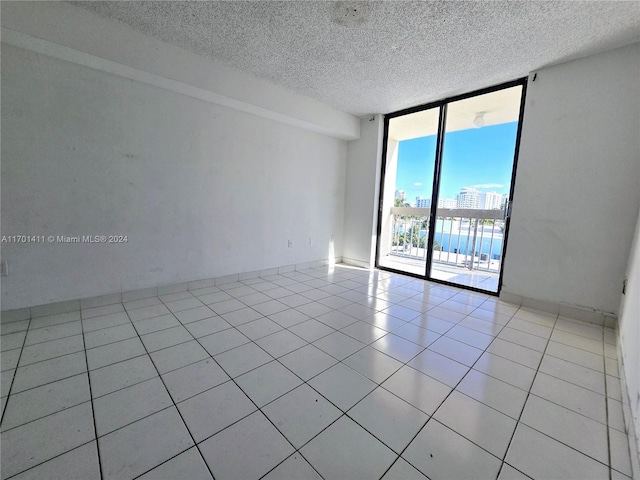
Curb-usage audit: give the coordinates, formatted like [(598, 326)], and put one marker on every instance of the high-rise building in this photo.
[(447, 203), (469, 198), (423, 202), (490, 200), (401, 195)]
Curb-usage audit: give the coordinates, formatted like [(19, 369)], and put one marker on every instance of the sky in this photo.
[(479, 157)]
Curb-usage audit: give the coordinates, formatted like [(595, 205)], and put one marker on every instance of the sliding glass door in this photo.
[(408, 191), (447, 184)]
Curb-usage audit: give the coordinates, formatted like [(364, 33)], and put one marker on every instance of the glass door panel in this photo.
[(407, 191), (477, 164)]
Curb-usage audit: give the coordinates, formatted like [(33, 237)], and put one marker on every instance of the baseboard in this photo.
[(7, 316), (603, 319), (356, 263), (629, 423)]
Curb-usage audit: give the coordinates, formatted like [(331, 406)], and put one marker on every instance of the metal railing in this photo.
[(469, 238)]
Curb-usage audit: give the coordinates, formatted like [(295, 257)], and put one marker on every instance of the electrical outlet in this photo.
[(4, 268), (290, 243)]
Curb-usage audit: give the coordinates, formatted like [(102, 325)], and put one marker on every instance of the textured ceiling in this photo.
[(378, 57)]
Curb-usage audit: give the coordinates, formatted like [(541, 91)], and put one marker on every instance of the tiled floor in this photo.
[(343, 374), (447, 272)]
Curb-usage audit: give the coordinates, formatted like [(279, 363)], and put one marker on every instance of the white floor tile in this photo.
[(373, 364), (188, 464), (188, 381), (311, 330), (417, 334), (194, 314), (620, 458), (242, 359), (342, 386), (183, 304), (432, 323), (515, 353), (301, 414), (510, 372), (578, 399), (109, 335), (455, 350), (215, 409), (268, 382), (294, 467), (120, 375), (493, 392), (178, 356), (575, 430), (105, 321), (289, 318), (223, 341), (79, 463), (130, 404), (346, 450), (524, 339), (166, 338), (307, 362), (30, 444), (540, 456), (401, 470), (39, 402), (39, 335), (392, 420), (247, 449), (49, 371), (421, 391), (114, 352), (339, 345), (576, 355), (259, 328), (477, 422), (127, 452), (439, 367), (510, 473), (439, 452), (280, 343), (397, 347), (54, 348)]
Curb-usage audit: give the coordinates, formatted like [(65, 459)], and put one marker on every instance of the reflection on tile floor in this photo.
[(319, 373)]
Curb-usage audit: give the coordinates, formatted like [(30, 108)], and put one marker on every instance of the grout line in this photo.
[(527, 398), (606, 405), (171, 397), (15, 371), (93, 413)]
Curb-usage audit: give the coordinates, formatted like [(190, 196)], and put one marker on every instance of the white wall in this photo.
[(577, 190), (629, 340), (361, 192), (200, 190)]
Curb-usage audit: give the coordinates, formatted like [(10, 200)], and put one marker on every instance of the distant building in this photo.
[(491, 200), (447, 203), (469, 198), (401, 195), (423, 202)]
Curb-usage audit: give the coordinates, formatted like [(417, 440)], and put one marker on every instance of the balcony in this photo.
[(468, 244)]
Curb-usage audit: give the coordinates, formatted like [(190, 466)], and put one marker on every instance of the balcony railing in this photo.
[(468, 238)]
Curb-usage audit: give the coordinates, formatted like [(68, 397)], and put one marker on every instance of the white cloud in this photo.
[(417, 184), (487, 185)]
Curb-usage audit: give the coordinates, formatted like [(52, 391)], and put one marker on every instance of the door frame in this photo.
[(442, 118)]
